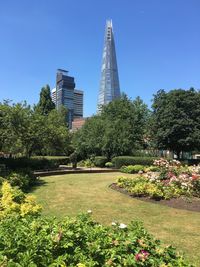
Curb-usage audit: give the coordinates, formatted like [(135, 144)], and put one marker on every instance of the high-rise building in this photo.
[(109, 84), (78, 103), (68, 96), (53, 95)]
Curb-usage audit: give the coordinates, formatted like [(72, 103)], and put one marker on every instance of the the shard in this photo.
[(109, 84)]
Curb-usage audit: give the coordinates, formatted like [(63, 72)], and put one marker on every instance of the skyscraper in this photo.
[(65, 94), (109, 84)]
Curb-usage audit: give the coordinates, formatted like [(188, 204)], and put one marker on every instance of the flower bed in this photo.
[(28, 239), (172, 181)]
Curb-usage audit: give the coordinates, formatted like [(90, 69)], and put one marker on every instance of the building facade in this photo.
[(78, 103), (66, 95), (109, 84)]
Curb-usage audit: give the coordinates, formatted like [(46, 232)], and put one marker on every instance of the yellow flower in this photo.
[(81, 265)]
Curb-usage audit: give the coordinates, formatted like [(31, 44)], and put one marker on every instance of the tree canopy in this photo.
[(26, 131), (45, 104), (176, 120), (117, 130)]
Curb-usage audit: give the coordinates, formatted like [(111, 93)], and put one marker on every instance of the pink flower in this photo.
[(142, 255)]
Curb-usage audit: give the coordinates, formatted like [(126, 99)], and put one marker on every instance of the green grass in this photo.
[(73, 193)]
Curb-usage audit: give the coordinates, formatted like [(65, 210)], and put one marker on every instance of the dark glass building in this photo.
[(68, 96)]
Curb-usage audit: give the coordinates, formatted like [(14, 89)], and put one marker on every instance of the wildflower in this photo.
[(122, 226)]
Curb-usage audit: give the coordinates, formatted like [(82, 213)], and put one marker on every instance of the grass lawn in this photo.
[(73, 193)]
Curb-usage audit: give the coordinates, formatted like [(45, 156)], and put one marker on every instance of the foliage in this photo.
[(14, 201), (172, 181), (128, 160), (176, 120), (117, 130), (81, 242), (45, 105), (35, 163), (23, 179), (88, 163), (24, 131), (3, 170), (100, 161), (109, 164), (132, 168)]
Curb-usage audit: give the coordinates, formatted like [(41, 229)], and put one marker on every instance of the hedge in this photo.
[(128, 160), (100, 161), (39, 163)]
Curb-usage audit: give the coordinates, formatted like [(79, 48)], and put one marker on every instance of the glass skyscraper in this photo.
[(65, 94), (109, 84)]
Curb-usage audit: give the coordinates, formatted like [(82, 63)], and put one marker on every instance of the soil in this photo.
[(192, 204)]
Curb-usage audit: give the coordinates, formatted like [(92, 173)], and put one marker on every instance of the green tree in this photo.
[(88, 140), (45, 104), (176, 120), (117, 130), (58, 137)]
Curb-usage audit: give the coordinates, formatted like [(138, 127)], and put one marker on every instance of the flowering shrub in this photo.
[(138, 169), (172, 180), (14, 201), (81, 242)]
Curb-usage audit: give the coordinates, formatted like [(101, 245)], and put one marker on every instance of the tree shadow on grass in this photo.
[(38, 183)]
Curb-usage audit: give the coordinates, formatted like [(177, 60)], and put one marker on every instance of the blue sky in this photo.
[(157, 45)]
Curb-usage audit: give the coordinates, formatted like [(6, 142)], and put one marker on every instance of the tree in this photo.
[(25, 131), (117, 130), (88, 140), (176, 120), (58, 138), (45, 104)]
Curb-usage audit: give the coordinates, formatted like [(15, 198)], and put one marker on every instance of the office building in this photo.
[(78, 103), (53, 95), (109, 84), (68, 96)]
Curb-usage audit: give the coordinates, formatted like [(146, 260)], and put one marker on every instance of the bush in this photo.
[(3, 170), (81, 242), (127, 160), (15, 202), (108, 164), (132, 168), (100, 161), (24, 179), (88, 163), (35, 163)]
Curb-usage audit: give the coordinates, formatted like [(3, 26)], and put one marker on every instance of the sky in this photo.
[(157, 46)]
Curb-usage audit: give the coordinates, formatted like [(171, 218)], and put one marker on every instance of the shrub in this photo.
[(151, 169), (172, 181), (35, 163), (109, 164), (88, 163), (24, 179), (132, 168), (81, 242), (3, 170), (127, 160), (100, 161), (14, 202)]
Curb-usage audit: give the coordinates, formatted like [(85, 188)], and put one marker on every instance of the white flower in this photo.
[(113, 223), (122, 226), (89, 211)]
